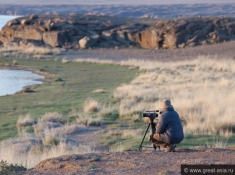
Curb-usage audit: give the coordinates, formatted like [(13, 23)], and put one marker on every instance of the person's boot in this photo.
[(170, 148), (151, 139)]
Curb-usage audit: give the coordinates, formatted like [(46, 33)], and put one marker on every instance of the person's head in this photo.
[(166, 104)]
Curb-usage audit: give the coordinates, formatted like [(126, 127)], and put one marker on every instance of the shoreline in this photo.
[(27, 88)]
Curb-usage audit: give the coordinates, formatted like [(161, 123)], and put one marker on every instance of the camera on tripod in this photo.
[(151, 114)]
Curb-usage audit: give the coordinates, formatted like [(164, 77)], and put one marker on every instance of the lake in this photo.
[(12, 81), (4, 19)]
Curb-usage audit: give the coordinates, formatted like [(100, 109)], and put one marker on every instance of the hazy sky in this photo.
[(133, 2)]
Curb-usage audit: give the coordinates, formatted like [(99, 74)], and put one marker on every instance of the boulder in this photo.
[(33, 16), (25, 21), (148, 39), (30, 43), (108, 35), (121, 37), (11, 43), (169, 41), (54, 38), (30, 32), (13, 22), (48, 25), (85, 43)]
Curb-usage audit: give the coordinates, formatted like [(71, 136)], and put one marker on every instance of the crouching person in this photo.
[(169, 130)]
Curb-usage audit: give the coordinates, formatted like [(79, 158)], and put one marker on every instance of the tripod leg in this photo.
[(153, 127), (140, 148), (154, 147)]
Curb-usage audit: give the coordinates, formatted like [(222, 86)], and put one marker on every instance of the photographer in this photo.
[(169, 130)]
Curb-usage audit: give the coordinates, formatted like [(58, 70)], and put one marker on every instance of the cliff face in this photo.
[(89, 31)]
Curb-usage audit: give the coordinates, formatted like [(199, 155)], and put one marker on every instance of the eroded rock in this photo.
[(87, 31)]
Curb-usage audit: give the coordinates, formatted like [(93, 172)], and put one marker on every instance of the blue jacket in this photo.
[(169, 126)]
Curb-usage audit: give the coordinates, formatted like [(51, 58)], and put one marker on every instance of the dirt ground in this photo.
[(133, 162), (220, 51)]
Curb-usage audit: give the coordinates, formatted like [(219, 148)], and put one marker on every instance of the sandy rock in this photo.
[(13, 22), (148, 39), (169, 41), (30, 32), (25, 21), (11, 43), (48, 25), (93, 30), (54, 39), (85, 43), (108, 34), (33, 16), (121, 37)]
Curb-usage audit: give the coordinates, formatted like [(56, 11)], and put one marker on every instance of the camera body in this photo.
[(151, 114)]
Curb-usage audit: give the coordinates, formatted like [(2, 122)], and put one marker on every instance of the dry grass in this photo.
[(132, 133), (91, 105), (31, 50), (99, 91), (52, 117), (218, 143), (29, 151), (201, 91), (88, 120), (26, 120), (51, 138)]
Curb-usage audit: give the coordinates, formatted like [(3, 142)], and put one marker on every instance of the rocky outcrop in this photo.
[(180, 33), (92, 31), (69, 31)]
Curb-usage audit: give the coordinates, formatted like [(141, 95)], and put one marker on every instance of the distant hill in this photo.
[(130, 2), (139, 11)]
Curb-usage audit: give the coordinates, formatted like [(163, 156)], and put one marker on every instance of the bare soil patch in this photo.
[(219, 51), (133, 162)]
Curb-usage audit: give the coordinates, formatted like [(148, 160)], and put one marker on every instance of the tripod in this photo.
[(153, 131)]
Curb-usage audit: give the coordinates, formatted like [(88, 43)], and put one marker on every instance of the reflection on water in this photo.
[(12, 81)]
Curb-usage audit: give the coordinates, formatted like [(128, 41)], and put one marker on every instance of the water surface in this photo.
[(12, 81), (4, 19)]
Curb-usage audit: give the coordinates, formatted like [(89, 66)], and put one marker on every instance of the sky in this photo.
[(130, 2)]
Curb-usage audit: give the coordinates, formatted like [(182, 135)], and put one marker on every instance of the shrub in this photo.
[(50, 139), (88, 120), (52, 117), (91, 105), (6, 168), (26, 120)]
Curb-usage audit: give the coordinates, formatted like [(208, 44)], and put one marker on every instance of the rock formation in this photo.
[(92, 31)]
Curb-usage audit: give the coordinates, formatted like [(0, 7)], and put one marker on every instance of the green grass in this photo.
[(79, 80), (207, 141)]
